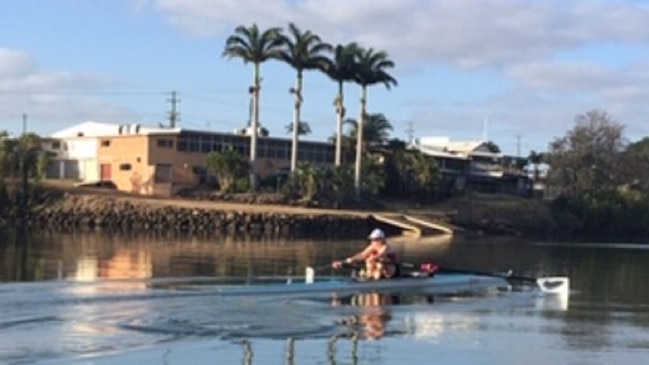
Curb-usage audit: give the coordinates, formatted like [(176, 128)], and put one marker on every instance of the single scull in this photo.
[(440, 283)]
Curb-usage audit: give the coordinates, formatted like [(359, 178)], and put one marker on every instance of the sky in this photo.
[(515, 72)]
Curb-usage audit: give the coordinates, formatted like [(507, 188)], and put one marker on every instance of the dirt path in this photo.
[(213, 205)]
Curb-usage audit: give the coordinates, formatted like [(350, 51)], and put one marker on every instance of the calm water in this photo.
[(116, 299)]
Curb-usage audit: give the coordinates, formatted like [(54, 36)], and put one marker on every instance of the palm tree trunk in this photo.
[(359, 143), (254, 127), (296, 120), (340, 111)]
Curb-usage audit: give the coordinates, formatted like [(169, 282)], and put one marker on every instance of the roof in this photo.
[(101, 129), (444, 147)]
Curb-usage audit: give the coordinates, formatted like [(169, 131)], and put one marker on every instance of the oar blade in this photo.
[(554, 285), (309, 276)]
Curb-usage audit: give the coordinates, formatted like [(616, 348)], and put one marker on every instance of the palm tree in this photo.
[(341, 68), (536, 159), (303, 128), (371, 70), (375, 132), (303, 51), (255, 47)]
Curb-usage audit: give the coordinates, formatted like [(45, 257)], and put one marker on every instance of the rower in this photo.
[(381, 260)]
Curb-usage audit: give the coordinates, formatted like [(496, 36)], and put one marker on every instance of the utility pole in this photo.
[(173, 114), (23, 172), (518, 145), (411, 132)]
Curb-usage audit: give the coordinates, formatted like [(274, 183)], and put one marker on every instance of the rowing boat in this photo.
[(444, 282), (438, 284)]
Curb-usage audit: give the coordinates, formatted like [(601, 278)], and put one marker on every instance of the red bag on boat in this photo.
[(429, 267)]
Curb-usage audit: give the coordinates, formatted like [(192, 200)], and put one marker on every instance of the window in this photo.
[(56, 145), (125, 167), (105, 143), (165, 143), (162, 173)]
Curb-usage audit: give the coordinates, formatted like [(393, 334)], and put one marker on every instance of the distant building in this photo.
[(471, 165)]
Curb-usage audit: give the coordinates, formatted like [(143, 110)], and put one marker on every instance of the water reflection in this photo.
[(608, 311), (370, 322), (88, 257), (333, 356)]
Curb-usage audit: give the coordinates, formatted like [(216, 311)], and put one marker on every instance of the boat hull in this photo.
[(439, 284)]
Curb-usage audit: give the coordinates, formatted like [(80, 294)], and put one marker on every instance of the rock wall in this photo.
[(105, 213)]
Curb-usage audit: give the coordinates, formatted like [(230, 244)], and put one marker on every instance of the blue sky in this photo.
[(515, 71)]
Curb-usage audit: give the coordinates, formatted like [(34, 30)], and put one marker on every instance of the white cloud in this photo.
[(465, 33), (15, 63), (53, 98), (564, 76)]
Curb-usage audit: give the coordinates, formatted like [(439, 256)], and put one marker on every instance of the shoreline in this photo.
[(66, 207)]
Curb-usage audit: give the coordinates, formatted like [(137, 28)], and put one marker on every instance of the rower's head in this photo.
[(377, 235)]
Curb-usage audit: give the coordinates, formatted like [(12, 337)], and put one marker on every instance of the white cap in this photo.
[(376, 234)]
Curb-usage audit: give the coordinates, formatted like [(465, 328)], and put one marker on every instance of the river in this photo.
[(99, 298)]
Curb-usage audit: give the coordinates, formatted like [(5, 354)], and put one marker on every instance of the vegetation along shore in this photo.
[(595, 187)]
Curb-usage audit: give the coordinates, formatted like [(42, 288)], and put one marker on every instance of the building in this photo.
[(74, 151), (162, 161), (471, 165)]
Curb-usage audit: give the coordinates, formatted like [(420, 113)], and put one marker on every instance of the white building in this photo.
[(75, 149), (471, 157)]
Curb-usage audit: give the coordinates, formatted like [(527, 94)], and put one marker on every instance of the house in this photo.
[(470, 165)]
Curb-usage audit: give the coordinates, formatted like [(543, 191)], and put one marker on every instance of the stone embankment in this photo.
[(85, 212)]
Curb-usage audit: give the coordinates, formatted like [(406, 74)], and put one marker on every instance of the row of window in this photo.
[(266, 148)]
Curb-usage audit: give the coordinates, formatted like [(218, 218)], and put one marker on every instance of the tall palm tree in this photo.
[(341, 68), (303, 51), (256, 47), (371, 70)]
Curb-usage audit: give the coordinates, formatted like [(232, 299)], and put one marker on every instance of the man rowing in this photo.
[(381, 260)]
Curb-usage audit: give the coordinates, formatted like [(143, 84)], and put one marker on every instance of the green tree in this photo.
[(588, 157), (341, 68), (303, 128), (22, 163), (376, 131), (536, 159), (372, 69), (635, 166), (256, 47), (338, 183), (493, 147), (228, 166), (303, 51), (410, 173)]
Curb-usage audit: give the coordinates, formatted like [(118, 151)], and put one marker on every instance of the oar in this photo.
[(549, 285)]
